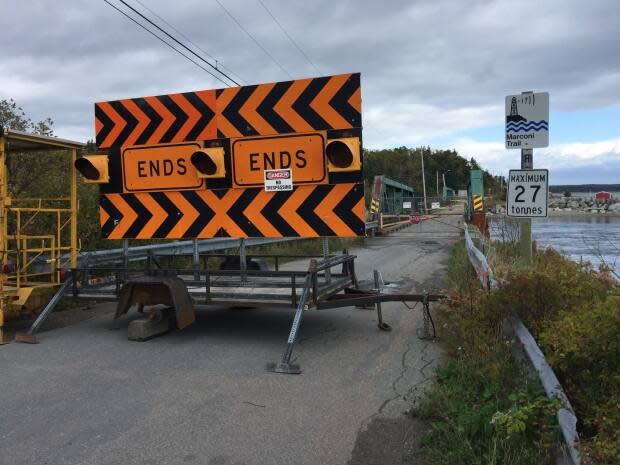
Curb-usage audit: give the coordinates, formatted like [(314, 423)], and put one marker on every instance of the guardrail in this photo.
[(169, 248), (141, 252)]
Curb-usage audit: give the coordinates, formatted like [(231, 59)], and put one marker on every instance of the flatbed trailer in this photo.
[(328, 282)]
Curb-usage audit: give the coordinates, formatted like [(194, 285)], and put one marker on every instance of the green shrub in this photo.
[(570, 309), (481, 394), (461, 275), (583, 348), (604, 447), (538, 294), (481, 416)]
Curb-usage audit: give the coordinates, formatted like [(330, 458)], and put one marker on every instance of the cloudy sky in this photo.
[(434, 72)]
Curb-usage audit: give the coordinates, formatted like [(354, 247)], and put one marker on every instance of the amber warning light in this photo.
[(343, 154), (209, 163), (94, 168)]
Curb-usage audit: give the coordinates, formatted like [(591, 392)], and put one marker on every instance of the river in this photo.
[(582, 237)]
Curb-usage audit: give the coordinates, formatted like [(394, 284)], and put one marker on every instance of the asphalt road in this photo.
[(87, 395)]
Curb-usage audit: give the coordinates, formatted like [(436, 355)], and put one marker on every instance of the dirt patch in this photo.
[(388, 441)]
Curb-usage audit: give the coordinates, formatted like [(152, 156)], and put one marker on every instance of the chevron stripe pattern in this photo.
[(332, 102), (306, 211), (374, 206), (478, 203)]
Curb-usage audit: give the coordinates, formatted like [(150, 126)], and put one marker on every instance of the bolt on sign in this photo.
[(270, 160)]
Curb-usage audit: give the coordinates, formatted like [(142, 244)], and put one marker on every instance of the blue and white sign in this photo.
[(527, 121)]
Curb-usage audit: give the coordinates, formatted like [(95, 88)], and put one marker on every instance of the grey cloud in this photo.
[(446, 54)]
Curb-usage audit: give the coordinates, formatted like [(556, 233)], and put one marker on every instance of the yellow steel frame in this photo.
[(22, 249)]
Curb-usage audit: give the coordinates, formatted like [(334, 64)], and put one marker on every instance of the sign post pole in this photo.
[(525, 240), (423, 183), (527, 163)]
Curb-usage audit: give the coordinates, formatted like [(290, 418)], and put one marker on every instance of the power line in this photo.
[(289, 37), (217, 62), (255, 41), (177, 41), (168, 44)]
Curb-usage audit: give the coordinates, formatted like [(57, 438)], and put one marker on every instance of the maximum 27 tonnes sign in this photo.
[(527, 193), (270, 160)]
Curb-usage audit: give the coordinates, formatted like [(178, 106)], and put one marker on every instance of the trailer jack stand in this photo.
[(380, 323), (285, 366)]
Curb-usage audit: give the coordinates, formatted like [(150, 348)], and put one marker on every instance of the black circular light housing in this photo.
[(203, 163), (339, 154)]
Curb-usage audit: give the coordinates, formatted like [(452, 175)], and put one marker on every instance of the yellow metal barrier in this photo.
[(41, 229)]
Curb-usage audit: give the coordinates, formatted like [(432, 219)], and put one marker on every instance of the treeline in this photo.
[(585, 188), (404, 164), (40, 174)]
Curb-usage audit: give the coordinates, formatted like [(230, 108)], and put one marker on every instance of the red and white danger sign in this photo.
[(278, 180)]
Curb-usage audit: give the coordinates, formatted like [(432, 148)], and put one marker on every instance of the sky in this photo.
[(434, 73)]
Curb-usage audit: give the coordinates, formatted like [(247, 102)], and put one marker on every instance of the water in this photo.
[(582, 237)]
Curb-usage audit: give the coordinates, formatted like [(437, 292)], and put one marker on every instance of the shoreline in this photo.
[(556, 213), (561, 213)]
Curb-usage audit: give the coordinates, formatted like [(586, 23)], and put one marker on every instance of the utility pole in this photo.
[(525, 242), (423, 182)]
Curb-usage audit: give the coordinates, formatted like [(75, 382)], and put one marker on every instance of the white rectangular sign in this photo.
[(462, 193), (527, 121), (278, 180), (435, 205), (528, 193), (406, 204)]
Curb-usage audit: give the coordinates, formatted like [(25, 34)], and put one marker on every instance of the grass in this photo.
[(482, 407)]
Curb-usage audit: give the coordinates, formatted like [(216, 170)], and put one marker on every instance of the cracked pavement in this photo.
[(87, 395)]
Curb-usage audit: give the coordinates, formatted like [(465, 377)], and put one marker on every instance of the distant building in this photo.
[(603, 195)]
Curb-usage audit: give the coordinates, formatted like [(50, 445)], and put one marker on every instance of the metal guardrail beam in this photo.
[(170, 248), (179, 248)]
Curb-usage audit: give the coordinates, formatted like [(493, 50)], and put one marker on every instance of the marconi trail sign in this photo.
[(527, 120)]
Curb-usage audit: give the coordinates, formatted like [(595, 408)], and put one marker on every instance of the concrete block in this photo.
[(143, 329)]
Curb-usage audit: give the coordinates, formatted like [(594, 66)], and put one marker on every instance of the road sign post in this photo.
[(527, 127)]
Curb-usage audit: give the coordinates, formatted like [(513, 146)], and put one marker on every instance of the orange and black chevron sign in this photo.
[(156, 186), (305, 105), (306, 211)]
